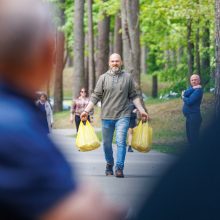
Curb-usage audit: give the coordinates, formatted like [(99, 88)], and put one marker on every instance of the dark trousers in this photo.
[(77, 121), (193, 124)]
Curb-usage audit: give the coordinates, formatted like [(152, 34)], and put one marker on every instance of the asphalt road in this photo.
[(142, 171)]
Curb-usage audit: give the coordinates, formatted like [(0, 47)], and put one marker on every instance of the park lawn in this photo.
[(166, 119)]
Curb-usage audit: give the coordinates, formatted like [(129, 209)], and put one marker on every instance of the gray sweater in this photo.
[(114, 91)]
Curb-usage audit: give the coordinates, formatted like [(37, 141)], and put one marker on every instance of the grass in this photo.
[(166, 119), (146, 84)]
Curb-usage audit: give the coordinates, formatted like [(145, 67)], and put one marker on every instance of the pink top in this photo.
[(79, 105)]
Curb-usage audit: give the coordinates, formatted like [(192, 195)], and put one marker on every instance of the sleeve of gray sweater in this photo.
[(132, 90), (98, 92)]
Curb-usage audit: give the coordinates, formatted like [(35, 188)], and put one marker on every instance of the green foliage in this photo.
[(177, 77), (154, 63), (68, 26), (164, 30), (163, 26), (109, 7)]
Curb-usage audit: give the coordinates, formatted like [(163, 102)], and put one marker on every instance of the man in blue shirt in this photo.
[(192, 98), (36, 182)]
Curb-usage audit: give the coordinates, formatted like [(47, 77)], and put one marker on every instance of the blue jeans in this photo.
[(108, 127)]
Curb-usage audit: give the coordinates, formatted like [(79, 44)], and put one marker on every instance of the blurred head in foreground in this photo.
[(26, 44), (36, 181)]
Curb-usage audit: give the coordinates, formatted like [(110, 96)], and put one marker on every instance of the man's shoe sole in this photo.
[(109, 174), (120, 176)]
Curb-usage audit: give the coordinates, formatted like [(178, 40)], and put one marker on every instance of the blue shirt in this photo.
[(43, 115), (192, 100), (34, 175)]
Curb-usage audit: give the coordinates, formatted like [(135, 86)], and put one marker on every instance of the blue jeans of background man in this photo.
[(121, 127), (193, 123)]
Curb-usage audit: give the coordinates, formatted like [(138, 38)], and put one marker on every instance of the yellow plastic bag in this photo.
[(142, 137), (86, 139)]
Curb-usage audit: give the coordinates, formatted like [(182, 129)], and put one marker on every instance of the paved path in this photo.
[(142, 171)]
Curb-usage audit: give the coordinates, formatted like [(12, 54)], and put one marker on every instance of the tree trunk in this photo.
[(91, 64), (217, 48), (58, 79), (78, 49), (111, 46), (190, 48), (126, 40), (131, 37), (96, 50), (197, 52), (60, 63), (69, 61), (86, 65), (118, 36), (206, 54), (154, 86), (103, 46)]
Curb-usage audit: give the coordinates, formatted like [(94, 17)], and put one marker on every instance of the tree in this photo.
[(103, 45), (78, 49), (197, 52), (131, 37), (154, 86), (86, 64), (91, 65), (205, 62), (118, 35), (190, 48), (58, 79)]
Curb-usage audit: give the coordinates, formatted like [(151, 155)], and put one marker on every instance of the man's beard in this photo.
[(115, 69)]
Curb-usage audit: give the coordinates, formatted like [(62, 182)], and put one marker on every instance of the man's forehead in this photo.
[(115, 57), (194, 77)]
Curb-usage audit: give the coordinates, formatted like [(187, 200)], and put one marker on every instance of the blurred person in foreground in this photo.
[(192, 98), (36, 182), (115, 89), (189, 190)]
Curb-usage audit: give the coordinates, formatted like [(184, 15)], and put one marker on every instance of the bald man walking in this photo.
[(114, 89), (36, 181), (192, 98)]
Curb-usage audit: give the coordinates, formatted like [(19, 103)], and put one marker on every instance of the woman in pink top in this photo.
[(78, 106)]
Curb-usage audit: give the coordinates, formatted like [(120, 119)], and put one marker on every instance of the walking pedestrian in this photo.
[(132, 124), (115, 89), (46, 110), (36, 181), (78, 106)]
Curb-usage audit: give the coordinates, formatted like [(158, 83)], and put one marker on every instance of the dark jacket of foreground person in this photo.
[(190, 190), (33, 174)]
